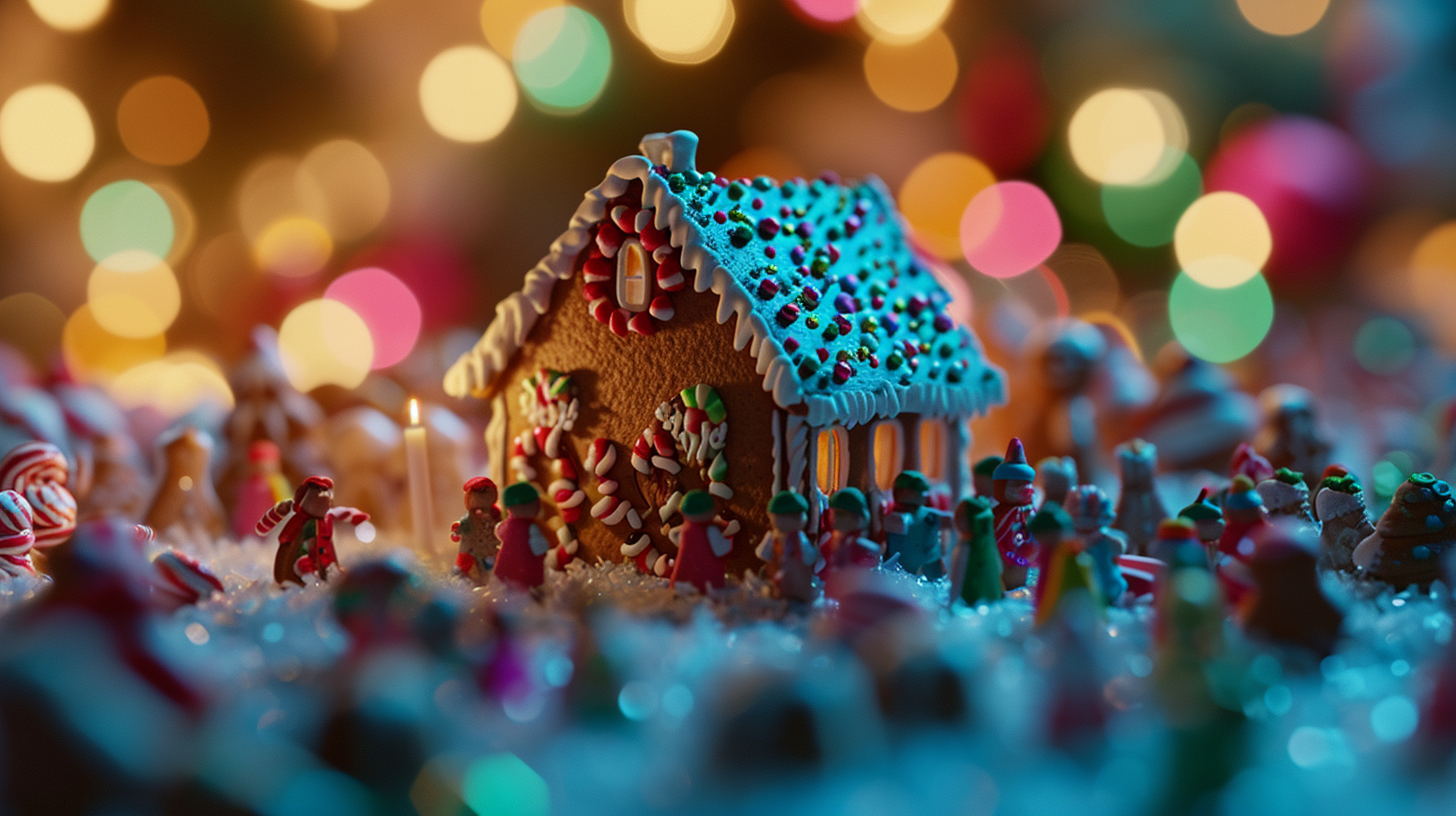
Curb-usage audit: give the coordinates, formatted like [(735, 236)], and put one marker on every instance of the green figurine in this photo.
[(975, 527)]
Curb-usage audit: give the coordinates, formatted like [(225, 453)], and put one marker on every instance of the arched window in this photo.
[(832, 462), (933, 452), (888, 448), (634, 277)]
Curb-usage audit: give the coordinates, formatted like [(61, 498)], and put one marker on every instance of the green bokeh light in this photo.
[(1145, 215), (1220, 325), (503, 785), (562, 58), (1384, 345), (126, 216)]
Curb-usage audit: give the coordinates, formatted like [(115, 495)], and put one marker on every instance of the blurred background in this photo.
[(1262, 184)]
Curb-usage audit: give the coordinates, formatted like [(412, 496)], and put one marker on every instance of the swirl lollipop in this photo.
[(16, 538), (37, 471)]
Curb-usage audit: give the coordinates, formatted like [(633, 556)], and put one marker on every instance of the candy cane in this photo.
[(275, 514), (183, 579), (37, 471)]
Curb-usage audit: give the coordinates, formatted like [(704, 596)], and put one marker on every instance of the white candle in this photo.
[(417, 457)]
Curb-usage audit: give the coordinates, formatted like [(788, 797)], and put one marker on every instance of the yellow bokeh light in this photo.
[(324, 342), (293, 247), (163, 120), (900, 22), (173, 385), (341, 5), (135, 295), (46, 133), (468, 94), (31, 325), (935, 194), (70, 15), (1433, 282), (1126, 136), (1222, 240), (270, 191), (681, 31), (1283, 18), (914, 77), (350, 187), (501, 20), (93, 354)]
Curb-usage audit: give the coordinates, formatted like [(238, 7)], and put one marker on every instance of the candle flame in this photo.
[(414, 411)]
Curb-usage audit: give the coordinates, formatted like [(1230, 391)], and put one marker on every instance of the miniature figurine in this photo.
[(790, 557), (976, 553), (1344, 522), (1056, 475), (38, 471), (185, 497), (1247, 462), (701, 545), (524, 540), (1412, 535), (475, 532), (1091, 513), (261, 489), (847, 547), (1290, 436), (1243, 519), (16, 536), (1139, 507), (982, 473), (1208, 519), (913, 530), (118, 479), (306, 542), (1286, 494), (1063, 564), (1178, 544), (1011, 487), (1288, 606)]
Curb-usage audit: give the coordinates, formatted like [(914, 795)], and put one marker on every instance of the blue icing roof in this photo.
[(830, 270)]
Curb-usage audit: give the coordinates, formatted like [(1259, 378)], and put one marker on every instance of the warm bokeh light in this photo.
[(224, 277), (1283, 18), (761, 160), (935, 195), (1222, 240), (901, 21), (341, 5), (562, 57), (1433, 281), (501, 20), (127, 218), (914, 77), (31, 324), (163, 120), (184, 221), (681, 31), (323, 342), (269, 191), (1122, 135), (1090, 283), (173, 385), (293, 247), (1147, 214), (1220, 324), (828, 11), (1009, 228), (46, 133), (351, 185), (70, 15), (467, 94), (388, 307), (94, 354), (133, 294)]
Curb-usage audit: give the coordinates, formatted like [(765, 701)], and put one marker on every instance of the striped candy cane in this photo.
[(37, 471)]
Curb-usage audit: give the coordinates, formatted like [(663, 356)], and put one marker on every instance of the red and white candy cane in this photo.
[(182, 580), (37, 471), (16, 535)]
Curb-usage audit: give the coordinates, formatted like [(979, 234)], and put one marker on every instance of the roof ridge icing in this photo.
[(849, 346)]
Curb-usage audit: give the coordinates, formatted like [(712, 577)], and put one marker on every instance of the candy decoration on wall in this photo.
[(16, 535), (38, 471), (631, 268)]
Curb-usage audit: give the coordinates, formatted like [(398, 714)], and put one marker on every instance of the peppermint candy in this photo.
[(38, 471)]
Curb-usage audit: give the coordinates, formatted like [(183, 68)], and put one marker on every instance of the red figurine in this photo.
[(262, 489), (1244, 517), (524, 541), (1012, 489), (306, 543), (701, 546), (475, 532)]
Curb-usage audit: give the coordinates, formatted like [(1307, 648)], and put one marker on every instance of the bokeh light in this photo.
[(503, 784), (70, 15), (1147, 214), (184, 221), (293, 247), (31, 324), (901, 22), (1433, 281), (1009, 228), (681, 31), (467, 94), (562, 58), (1222, 240), (1002, 111), (94, 354), (1123, 136), (501, 20), (351, 186), (173, 385), (269, 191), (1384, 345), (127, 217), (137, 297), (1283, 18), (324, 342), (1220, 324), (46, 133), (761, 160), (936, 193), (341, 5), (913, 77), (163, 120), (1087, 276), (224, 281), (388, 307), (828, 11)]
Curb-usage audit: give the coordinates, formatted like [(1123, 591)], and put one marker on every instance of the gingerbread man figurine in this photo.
[(306, 543), (475, 531)]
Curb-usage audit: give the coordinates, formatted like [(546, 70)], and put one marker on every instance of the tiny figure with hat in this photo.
[(701, 545), (1056, 475), (849, 517), (1207, 518), (263, 487), (1091, 513), (475, 531), (791, 558), (1344, 523), (982, 473), (977, 562), (1012, 489), (306, 542), (1243, 519), (1139, 507), (524, 540), (1067, 569), (1286, 494), (913, 529)]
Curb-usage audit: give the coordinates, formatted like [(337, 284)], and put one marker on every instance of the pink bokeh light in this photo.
[(388, 307), (1009, 228), (828, 11)]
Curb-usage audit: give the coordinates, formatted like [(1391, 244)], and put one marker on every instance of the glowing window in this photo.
[(889, 453), (933, 453), (832, 464), (634, 285)]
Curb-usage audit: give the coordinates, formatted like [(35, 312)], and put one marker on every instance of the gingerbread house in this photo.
[(742, 336)]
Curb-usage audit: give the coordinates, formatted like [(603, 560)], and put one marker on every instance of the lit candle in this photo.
[(417, 457)]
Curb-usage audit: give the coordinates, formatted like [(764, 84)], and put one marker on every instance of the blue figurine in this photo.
[(913, 531), (1092, 513)]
